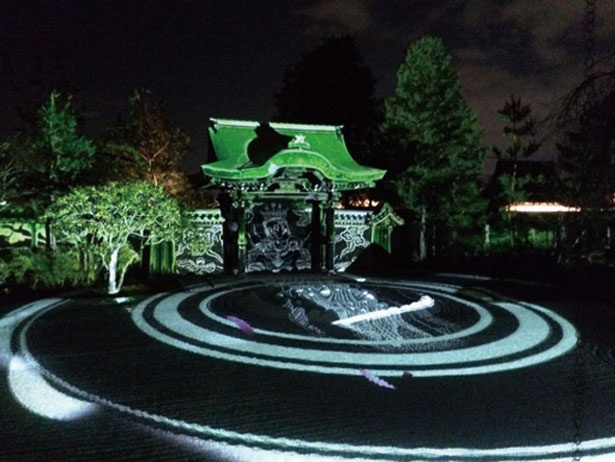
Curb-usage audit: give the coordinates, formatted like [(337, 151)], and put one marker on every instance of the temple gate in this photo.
[(279, 188)]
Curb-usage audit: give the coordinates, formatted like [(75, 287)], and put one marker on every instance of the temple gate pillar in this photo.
[(234, 233), (317, 238), (329, 236), (242, 240)]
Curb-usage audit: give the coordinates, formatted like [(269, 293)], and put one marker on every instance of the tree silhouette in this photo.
[(520, 131), (587, 152), (333, 85), (587, 160)]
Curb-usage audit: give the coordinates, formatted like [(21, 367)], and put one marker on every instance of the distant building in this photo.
[(542, 187)]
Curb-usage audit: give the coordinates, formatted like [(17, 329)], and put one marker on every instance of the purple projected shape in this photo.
[(245, 327), (377, 380)]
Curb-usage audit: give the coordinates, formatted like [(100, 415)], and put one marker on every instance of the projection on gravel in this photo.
[(316, 368)]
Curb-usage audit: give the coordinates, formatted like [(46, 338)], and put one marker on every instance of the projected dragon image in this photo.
[(309, 368)]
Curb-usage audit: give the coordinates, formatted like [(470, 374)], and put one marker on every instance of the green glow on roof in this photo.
[(248, 150)]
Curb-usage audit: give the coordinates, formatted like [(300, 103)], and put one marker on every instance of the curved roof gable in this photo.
[(248, 150)]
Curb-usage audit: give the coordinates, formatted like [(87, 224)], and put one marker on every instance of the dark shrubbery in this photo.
[(41, 269)]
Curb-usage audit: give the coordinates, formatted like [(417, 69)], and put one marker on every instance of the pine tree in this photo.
[(430, 118), (520, 142), (520, 131), (57, 156)]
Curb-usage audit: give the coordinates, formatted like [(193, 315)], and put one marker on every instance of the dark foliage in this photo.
[(332, 85)]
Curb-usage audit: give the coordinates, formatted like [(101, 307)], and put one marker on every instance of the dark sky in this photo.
[(227, 58)]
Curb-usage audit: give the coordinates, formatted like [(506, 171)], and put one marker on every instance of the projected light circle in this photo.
[(295, 328), (293, 385)]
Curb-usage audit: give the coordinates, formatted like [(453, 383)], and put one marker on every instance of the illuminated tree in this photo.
[(106, 220), (333, 85), (10, 175), (58, 156), (433, 126), (147, 147)]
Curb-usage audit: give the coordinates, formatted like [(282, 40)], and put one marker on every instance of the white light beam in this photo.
[(424, 302)]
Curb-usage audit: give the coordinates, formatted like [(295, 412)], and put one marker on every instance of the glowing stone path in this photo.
[(302, 368)]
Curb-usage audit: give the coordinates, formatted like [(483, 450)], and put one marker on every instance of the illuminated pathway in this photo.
[(305, 368)]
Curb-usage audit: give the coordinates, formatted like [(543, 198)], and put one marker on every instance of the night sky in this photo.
[(227, 58)]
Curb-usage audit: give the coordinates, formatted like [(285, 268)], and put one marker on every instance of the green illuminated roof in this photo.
[(254, 151)]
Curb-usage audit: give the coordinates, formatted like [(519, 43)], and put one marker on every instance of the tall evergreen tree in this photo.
[(520, 142), (57, 156), (430, 118), (53, 158), (333, 85), (519, 132)]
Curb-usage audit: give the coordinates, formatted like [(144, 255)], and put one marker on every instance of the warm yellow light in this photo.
[(540, 207)]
